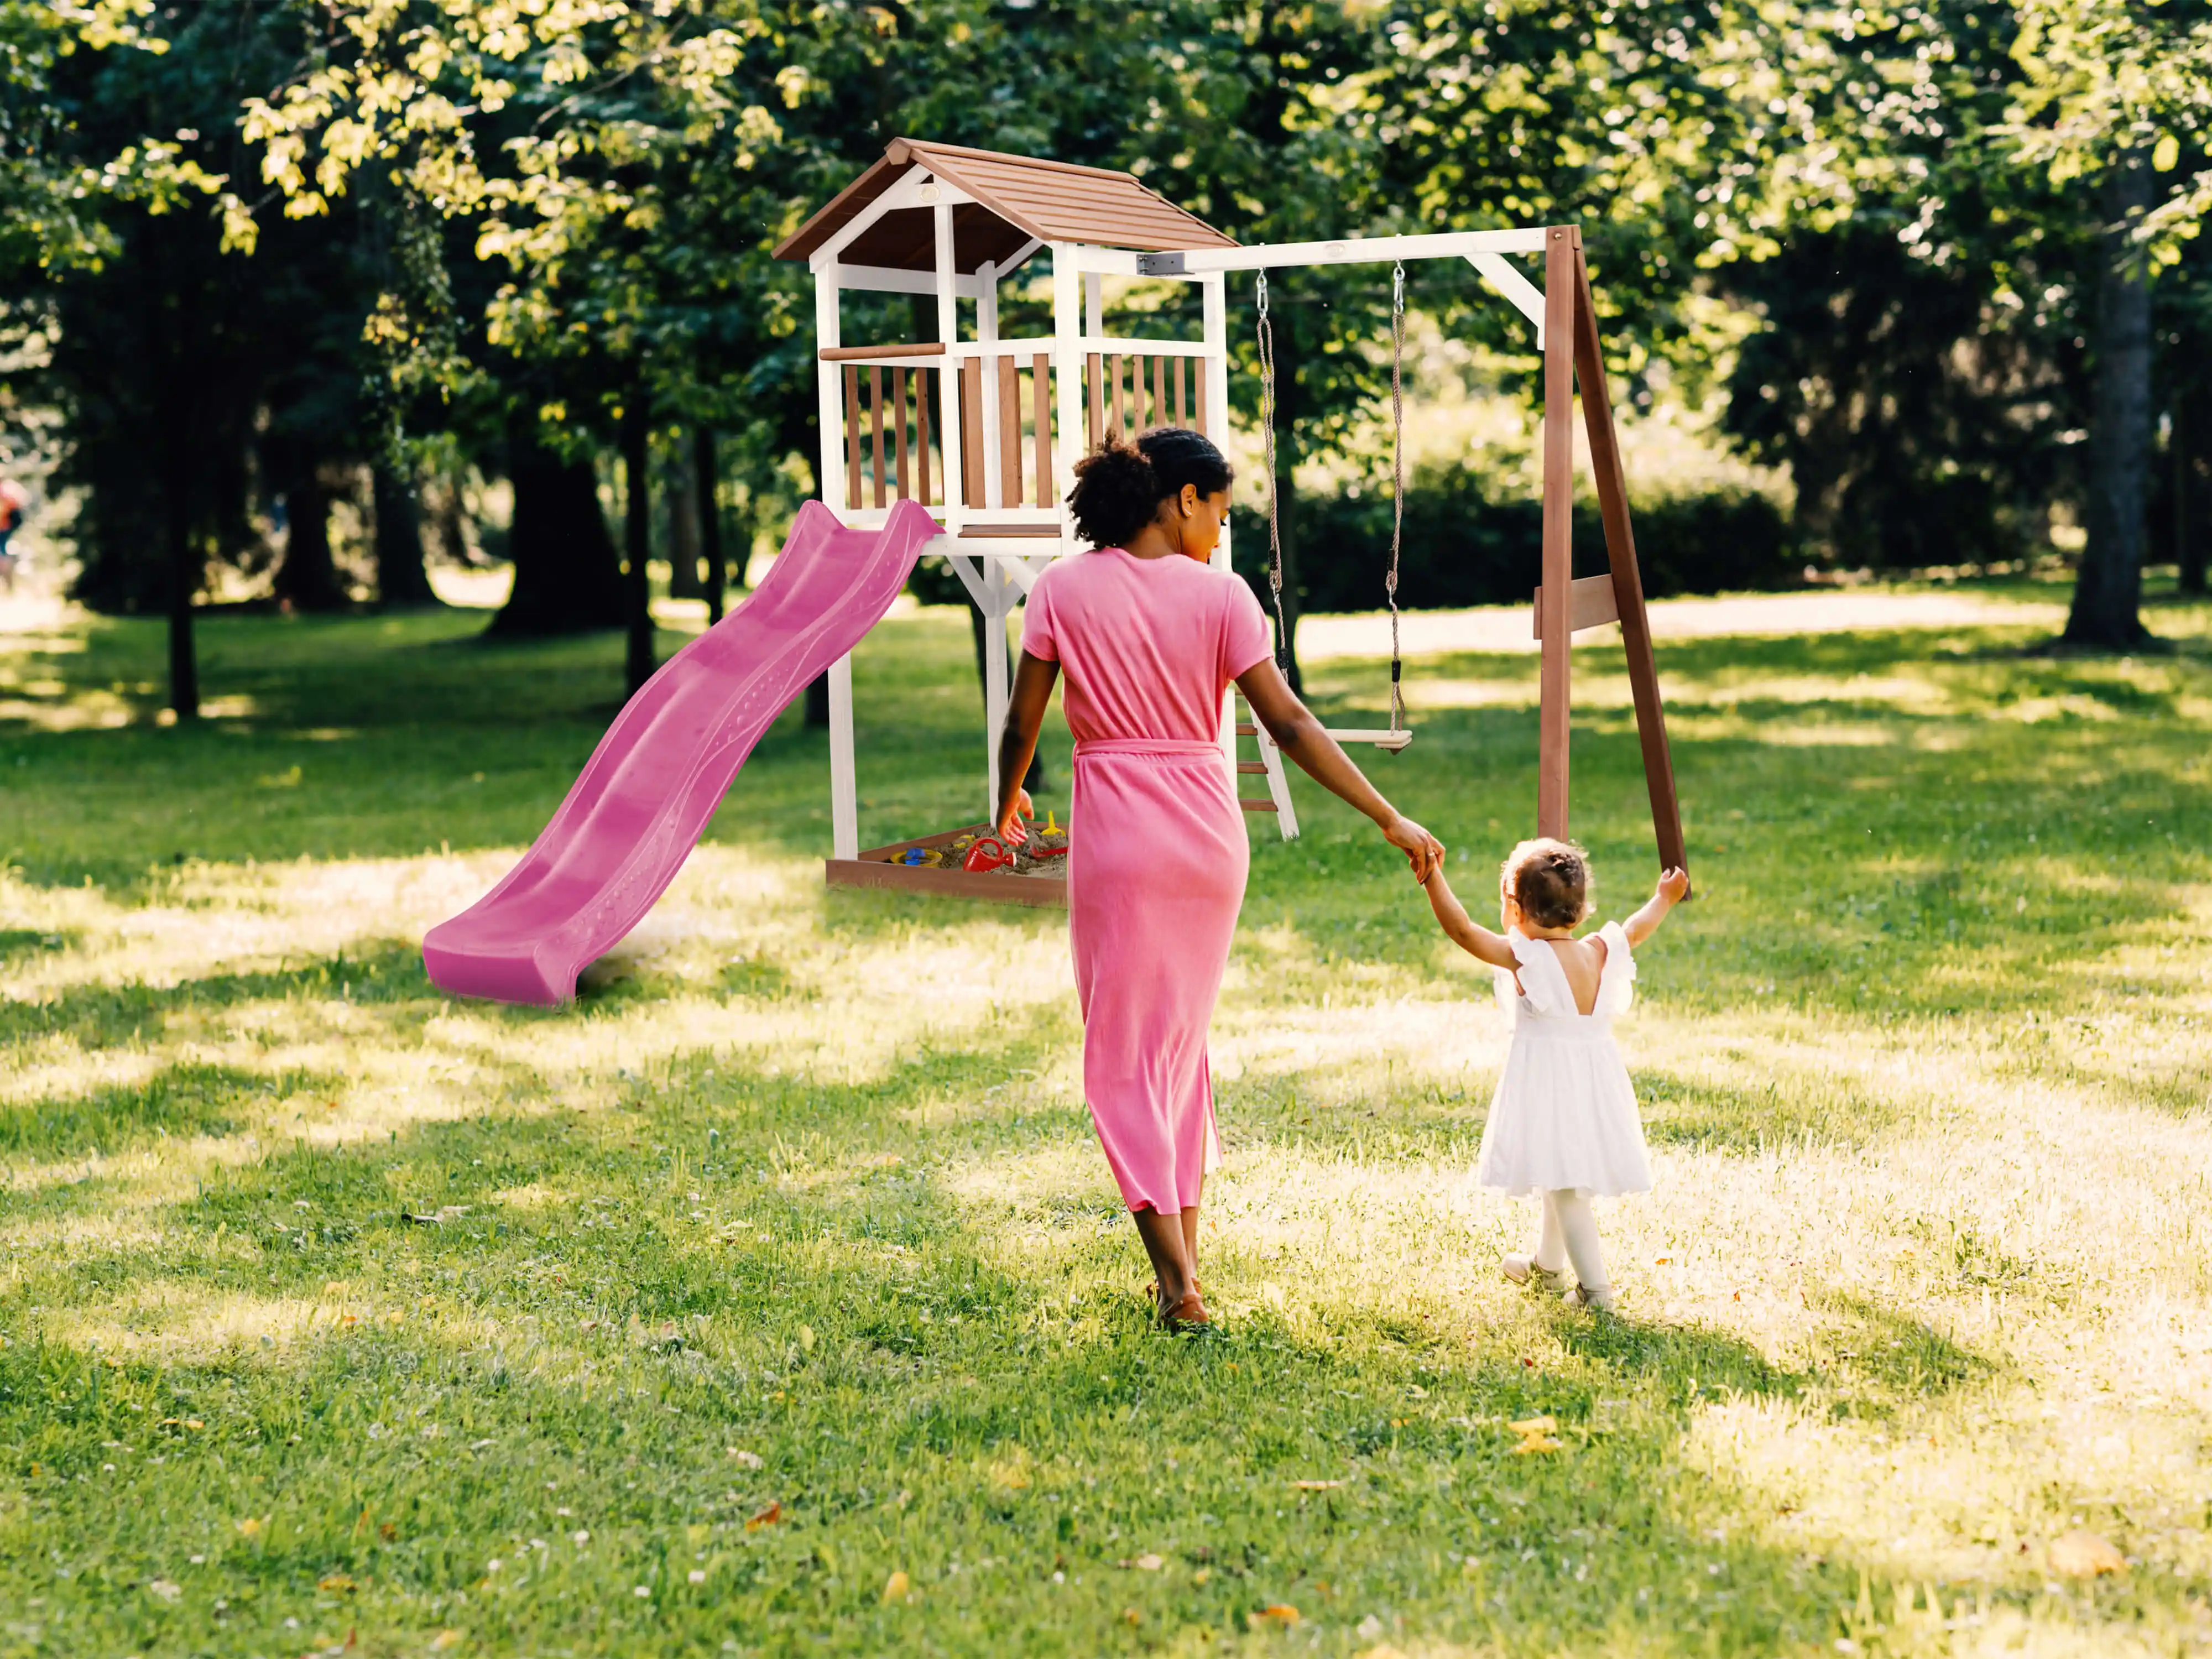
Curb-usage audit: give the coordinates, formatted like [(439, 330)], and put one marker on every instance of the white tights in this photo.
[(1569, 1234)]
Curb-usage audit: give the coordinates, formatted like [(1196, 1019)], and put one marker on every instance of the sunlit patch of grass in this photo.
[(349, 1290)]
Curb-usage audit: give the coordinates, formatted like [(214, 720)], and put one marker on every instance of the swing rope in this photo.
[(1274, 520), (1397, 483), (1267, 343)]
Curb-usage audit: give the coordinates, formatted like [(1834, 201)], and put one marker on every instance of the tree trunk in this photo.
[(1287, 410), (2108, 592), (566, 578), (402, 582), (183, 582), (307, 579), (637, 537), (679, 491), (2190, 518), (706, 475)]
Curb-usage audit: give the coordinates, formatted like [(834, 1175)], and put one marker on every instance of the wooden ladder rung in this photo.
[(1251, 766), (1244, 731), (1252, 806)]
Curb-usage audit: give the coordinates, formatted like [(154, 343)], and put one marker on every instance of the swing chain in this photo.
[(1397, 481), (1267, 342)]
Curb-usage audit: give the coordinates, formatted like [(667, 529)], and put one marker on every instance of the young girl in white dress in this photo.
[(1563, 1123)]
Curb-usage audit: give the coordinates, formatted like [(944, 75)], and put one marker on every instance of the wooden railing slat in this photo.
[(1095, 386), (898, 425), (1120, 425), (1197, 396), (921, 433), (876, 430), (971, 431), (1010, 432), (1040, 398), (851, 436)]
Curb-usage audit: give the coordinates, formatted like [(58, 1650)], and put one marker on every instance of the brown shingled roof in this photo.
[(1016, 197)]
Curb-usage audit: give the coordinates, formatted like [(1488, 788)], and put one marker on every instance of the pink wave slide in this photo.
[(645, 794)]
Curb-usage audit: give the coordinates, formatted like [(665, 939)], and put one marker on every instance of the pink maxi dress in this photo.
[(1157, 854)]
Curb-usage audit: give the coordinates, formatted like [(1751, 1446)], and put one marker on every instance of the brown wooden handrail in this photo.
[(865, 354)]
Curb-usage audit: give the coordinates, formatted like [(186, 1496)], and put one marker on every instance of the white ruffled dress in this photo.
[(1565, 1115)]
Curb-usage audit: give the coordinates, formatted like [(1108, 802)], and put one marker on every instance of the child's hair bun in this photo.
[(1549, 880)]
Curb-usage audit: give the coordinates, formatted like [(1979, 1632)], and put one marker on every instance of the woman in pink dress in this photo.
[(1150, 637)]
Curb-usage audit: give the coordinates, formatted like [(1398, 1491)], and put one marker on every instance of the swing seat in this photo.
[(1381, 737)]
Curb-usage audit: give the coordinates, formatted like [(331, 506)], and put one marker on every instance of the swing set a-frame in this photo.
[(952, 224)]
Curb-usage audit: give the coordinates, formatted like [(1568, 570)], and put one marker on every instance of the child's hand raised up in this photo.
[(1673, 885)]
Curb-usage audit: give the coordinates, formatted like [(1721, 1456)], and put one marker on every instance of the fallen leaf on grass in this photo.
[(1281, 1615), (749, 1460), (1129, 1615), (1529, 1426), (1315, 1486), (1146, 1563), (446, 1638), (250, 1527), (897, 1586), (337, 1582), (164, 1589), (2085, 1555), (767, 1517)]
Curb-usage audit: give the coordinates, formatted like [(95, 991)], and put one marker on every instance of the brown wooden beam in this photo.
[(1554, 687), (1627, 580)]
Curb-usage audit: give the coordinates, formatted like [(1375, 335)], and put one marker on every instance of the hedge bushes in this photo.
[(1465, 544)]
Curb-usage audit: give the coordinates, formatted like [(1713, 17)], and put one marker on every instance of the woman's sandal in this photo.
[(1188, 1315)]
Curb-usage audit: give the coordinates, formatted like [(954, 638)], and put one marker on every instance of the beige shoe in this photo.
[(1582, 1296), (1520, 1269)]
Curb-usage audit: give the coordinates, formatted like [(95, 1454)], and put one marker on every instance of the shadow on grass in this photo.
[(185, 1099), (98, 1016)]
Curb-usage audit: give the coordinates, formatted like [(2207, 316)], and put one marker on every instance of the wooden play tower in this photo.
[(984, 430)]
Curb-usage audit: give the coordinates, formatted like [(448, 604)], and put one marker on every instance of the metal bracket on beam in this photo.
[(1161, 265)]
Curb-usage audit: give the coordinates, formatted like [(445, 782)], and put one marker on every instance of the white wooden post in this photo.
[(1067, 375), (828, 390), (1094, 304), (844, 797), (948, 379), (986, 336), (1002, 592)]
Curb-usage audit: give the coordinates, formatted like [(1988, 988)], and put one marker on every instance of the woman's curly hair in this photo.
[(1549, 880), (1120, 485)]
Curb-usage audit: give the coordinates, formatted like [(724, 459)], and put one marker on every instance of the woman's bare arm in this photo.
[(1300, 736), (1034, 678), (1470, 935)]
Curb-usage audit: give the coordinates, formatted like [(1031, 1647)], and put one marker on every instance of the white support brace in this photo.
[(1524, 296)]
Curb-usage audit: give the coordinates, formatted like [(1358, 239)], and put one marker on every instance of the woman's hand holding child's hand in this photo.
[(1423, 851)]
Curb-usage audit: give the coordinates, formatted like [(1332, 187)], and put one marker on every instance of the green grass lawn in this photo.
[(775, 1299)]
